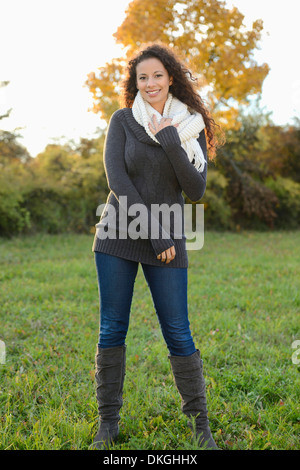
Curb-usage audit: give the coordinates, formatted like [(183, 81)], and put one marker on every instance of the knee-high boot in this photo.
[(190, 382), (109, 375)]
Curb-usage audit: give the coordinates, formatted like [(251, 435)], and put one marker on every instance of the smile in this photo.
[(153, 93)]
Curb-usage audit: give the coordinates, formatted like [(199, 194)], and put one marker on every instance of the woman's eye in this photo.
[(144, 78)]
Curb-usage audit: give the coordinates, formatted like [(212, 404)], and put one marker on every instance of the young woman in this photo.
[(155, 149)]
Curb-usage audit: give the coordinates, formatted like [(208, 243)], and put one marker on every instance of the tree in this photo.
[(65, 187), (13, 156), (104, 88), (10, 150), (213, 40), (252, 202), (281, 152)]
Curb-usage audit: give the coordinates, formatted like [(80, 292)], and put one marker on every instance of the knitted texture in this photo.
[(189, 128), (142, 171)]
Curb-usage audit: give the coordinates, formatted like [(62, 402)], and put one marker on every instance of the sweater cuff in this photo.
[(168, 137), (160, 245)]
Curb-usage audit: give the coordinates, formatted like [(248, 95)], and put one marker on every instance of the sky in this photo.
[(48, 48)]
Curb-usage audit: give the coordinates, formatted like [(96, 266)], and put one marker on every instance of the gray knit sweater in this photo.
[(150, 174)]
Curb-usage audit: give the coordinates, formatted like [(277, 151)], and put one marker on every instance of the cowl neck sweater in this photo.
[(142, 171)]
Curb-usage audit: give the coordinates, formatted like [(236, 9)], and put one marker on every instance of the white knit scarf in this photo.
[(190, 125)]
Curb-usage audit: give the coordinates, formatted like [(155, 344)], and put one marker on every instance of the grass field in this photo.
[(244, 305)]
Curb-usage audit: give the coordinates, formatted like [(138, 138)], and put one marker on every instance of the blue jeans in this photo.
[(168, 286)]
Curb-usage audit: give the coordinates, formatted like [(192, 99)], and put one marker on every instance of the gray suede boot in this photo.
[(109, 375), (190, 382)]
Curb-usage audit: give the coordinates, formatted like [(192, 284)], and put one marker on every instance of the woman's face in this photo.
[(153, 82)]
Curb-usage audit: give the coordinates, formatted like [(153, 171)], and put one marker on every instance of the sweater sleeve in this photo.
[(120, 183), (192, 182)]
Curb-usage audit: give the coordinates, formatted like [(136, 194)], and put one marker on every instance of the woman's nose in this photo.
[(150, 82)]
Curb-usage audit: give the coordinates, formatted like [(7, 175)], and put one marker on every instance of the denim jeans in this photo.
[(168, 287)]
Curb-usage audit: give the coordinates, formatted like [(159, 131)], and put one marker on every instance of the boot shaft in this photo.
[(110, 373), (189, 379)]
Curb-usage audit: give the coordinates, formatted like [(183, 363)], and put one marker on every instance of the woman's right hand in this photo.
[(168, 255), (156, 126)]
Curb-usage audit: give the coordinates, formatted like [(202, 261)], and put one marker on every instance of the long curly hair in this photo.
[(184, 87)]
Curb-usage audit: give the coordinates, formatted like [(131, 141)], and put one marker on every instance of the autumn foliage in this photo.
[(210, 38), (254, 182)]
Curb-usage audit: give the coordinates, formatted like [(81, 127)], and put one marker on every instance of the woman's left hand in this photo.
[(156, 126), (168, 255)]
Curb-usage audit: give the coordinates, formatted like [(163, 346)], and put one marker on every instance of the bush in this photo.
[(288, 207), (218, 214), (46, 209), (13, 217)]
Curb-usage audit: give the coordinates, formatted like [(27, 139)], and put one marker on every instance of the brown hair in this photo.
[(184, 86)]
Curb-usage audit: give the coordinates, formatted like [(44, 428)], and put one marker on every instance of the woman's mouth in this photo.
[(153, 93)]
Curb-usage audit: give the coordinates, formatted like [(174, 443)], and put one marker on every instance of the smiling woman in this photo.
[(155, 149)]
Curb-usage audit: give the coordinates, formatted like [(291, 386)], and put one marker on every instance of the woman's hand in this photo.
[(155, 127), (168, 255)]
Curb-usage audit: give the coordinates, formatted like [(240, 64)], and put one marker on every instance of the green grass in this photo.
[(244, 310)]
